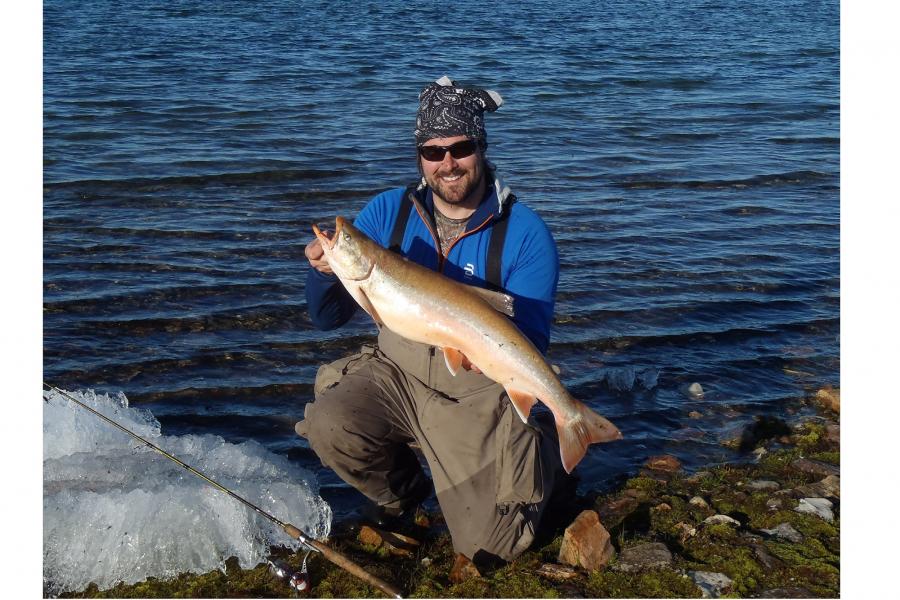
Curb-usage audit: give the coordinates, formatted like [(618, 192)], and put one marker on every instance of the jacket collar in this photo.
[(498, 198)]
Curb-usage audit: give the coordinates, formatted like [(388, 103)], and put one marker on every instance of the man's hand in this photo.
[(316, 257)]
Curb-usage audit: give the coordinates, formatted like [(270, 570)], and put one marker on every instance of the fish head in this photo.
[(351, 254)]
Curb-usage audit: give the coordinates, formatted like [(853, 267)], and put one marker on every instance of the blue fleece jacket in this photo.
[(529, 264)]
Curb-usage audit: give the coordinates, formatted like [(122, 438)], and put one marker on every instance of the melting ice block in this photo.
[(116, 510)]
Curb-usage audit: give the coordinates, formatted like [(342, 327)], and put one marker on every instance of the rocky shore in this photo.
[(765, 528)]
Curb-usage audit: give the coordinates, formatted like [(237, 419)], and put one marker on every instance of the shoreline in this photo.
[(754, 529)]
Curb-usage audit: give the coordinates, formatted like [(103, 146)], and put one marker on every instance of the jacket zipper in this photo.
[(437, 243)]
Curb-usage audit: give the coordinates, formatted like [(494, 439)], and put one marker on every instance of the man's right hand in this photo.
[(316, 257)]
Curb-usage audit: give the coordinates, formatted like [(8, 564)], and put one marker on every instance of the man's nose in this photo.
[(448, 161)]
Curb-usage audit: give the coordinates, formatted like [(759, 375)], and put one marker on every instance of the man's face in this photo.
[(453, 179)]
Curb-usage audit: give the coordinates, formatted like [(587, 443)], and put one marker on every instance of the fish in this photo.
[(471, 325)]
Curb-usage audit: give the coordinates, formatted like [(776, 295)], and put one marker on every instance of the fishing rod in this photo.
[(332, 555)]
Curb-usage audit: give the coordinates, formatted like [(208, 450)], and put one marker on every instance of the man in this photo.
[(493, 475)]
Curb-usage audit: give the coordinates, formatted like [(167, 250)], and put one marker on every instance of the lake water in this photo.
[(685, 156)]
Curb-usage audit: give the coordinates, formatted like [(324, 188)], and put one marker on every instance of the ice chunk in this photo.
[(116, 510)]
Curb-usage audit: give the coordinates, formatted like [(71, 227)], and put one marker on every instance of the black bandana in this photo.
[(446, 110)]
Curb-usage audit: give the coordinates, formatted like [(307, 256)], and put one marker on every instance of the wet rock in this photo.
[(821, 507), (830, 398), (721, 520), (784, 531), (463, 569), (695, 391), (792, 592), (586, 543), (613, 512), (816, 467), (762, 485), (713, 585), (830, 488), (699, 502), (652, 555), (695, 415), (664, 462), (556, 572), (763, 428)]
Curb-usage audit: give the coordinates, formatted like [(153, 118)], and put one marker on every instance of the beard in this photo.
[(456, 192)]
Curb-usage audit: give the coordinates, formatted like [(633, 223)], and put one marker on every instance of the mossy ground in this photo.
[(659, 511)]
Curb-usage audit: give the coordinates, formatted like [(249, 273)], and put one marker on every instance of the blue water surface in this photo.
[(685, 156)]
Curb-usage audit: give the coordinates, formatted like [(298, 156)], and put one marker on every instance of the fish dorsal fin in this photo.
[(522, 402), (454, 360), (498, 300)]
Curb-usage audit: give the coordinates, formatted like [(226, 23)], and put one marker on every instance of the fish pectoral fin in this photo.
[(366, 304), (498, 300), (575, 437), (454, 359), (522, 402)]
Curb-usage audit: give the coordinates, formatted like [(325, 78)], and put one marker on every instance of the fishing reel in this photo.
[(298, 580)]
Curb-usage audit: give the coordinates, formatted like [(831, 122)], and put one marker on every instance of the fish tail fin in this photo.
[(586, 429)]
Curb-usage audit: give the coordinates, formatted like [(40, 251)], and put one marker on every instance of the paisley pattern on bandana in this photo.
[(447, 110)]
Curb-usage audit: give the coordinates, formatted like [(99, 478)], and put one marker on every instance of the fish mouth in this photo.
[(329, 238)]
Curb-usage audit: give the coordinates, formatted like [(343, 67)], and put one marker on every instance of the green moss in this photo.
[(646, 484), (833, 457), (657, 583)]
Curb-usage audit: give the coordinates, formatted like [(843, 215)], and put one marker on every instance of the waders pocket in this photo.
[(519, 470)]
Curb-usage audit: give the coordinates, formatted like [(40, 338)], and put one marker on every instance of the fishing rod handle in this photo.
[(343, 562)]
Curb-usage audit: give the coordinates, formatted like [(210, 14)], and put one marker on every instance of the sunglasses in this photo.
[(458, 150)]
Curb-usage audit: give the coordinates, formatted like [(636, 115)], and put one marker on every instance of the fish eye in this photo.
[(346, 235)]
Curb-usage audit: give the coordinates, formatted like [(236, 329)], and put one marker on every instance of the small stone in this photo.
[(763, 556), (426, 562), (666, 463), (775, 503), (369, 536), (720, 520), (759, 452), (816, 467), (395, 543), (651, 555), (830, 487), (463, 569), (695, 415), (821, 507), (662, 507), (613, 512), (695, 391), (699, 502), (830, 398), (586, 543), (786, 532), (556, 572), (833, 433), (685, 531), (763, 485), (713, 585)]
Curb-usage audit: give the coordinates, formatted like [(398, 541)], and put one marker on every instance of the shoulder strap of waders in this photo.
[(402, 219), (493, 273)]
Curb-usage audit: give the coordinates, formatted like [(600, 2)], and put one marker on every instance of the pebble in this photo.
[(786, 532), (695, 390), (651, 555), (713, 585), (830, 487), (763, 485), (556, 572), (820, 507), (699, 502), (666, 463), (775, 503), (695, 415), (830, 398), (721, 519), (686, 531)]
